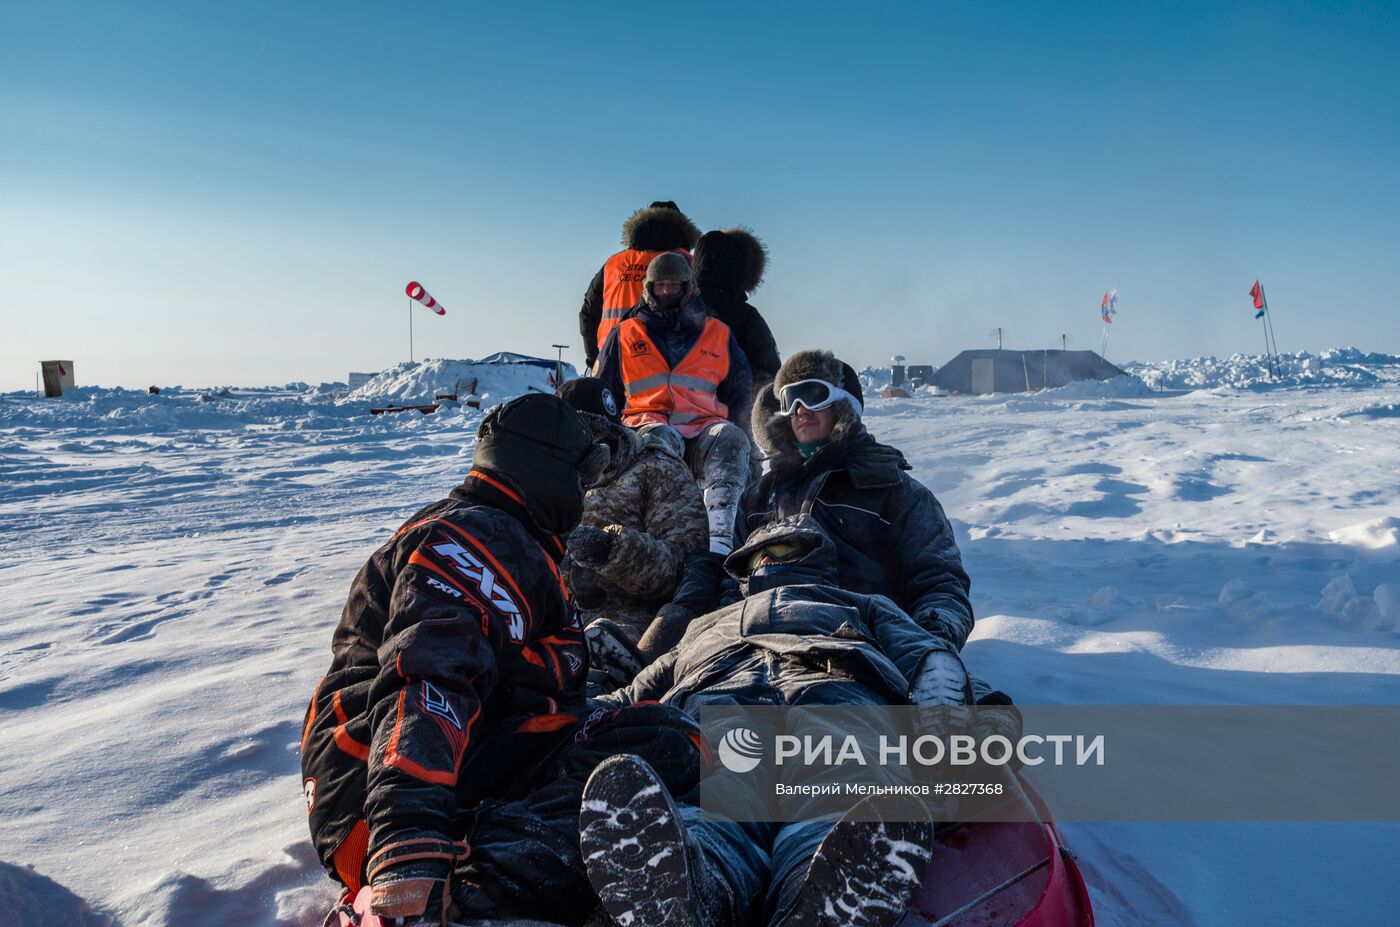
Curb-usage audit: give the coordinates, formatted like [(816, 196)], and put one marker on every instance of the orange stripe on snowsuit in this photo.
[(339, 709), (350, 745), (543, 724), (624, 275), (685, 397), (511, 494), (311, 714)]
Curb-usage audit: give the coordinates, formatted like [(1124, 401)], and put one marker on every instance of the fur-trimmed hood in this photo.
[(658, 228), (773, 430), (733, 259)]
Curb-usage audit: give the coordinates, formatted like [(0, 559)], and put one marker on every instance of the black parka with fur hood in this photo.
[(729, 265), (658, 227), (892, 537)]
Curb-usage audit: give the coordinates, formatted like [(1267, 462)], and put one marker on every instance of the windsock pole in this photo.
[(416, 294)]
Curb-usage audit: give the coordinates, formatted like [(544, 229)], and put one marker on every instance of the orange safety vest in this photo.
[(623, 277), (686, 398)]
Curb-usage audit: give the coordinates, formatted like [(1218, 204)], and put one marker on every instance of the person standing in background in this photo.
[(617, 286)]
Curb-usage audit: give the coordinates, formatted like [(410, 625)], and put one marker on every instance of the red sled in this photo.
[(983, 874), (1002, 874)]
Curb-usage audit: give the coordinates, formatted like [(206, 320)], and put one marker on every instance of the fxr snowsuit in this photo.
[(453, 708)]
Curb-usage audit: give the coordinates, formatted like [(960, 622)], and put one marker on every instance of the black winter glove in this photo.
[(590, 545), (583, 583), (699, 588), (697, 593)]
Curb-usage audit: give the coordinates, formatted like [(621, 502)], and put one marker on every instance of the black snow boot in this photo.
[(646, 873), (867, 869)]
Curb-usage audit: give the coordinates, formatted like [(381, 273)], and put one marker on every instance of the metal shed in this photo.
[(996, 371)]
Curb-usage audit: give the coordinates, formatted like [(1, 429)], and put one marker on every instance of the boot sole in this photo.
[(633, 845), (865, 873)]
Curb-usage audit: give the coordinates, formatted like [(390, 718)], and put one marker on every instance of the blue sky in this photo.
[(207, 193)]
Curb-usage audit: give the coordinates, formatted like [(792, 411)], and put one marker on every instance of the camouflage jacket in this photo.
[(650, 503)]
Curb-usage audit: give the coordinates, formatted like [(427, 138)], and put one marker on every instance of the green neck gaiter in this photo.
[(809, 450)]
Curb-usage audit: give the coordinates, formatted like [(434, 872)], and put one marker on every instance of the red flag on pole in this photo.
[(1257, 292)]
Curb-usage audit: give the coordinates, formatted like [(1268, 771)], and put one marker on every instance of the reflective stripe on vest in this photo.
[(623, 276), (685, 398)]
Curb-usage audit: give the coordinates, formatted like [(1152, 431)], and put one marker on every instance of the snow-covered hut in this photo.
[(996, 371)]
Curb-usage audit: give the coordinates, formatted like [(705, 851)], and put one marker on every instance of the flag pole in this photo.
[(410, 330), (1269, 354), (1269, 323)]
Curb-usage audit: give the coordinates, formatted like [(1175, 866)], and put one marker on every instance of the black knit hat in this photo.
[(672, 265), (588, 394), (540, 447)]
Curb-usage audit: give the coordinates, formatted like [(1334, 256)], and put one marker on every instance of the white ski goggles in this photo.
[(814, 395)]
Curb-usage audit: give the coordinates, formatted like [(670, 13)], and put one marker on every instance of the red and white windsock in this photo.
[(416, 292)]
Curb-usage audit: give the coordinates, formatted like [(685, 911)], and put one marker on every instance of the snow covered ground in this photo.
[(172, 568)]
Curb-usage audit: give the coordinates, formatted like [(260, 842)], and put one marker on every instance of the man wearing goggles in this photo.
[(891, 535)]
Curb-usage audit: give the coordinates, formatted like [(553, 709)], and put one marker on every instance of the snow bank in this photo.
[(295, 406), (1124, 387), (28, 899), (413, 383), (1334, 367), (129, 411), (874, 379), (1379, 534)]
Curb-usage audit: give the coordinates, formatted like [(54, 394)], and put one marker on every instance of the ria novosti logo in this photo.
[(740, 750)]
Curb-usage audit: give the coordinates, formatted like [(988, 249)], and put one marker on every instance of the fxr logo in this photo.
[(443, 587), (476, 571)]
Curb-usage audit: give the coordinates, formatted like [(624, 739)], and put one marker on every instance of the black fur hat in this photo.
[(733, 259), (773, 431), (659, 227)]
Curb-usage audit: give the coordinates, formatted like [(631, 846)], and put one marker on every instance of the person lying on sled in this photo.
[(796, 638), (445, 751)]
